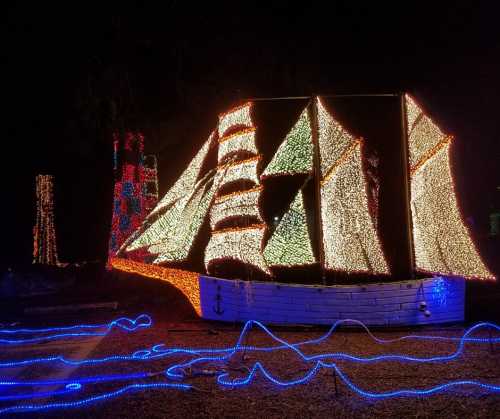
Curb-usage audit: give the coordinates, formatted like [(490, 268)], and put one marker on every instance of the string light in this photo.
[(333, 139), (175, 371), (240, 141), (185, 281), (235, 205), (150, 178), (179, 243), (290, 244), (350, 239), (239, 116), (187, 180), (295, 153), (93, 399), (124, 323), (242, 244), (442, 243), (316, 361), (44, 234), (162, 227), (131, 200), (238, 171)]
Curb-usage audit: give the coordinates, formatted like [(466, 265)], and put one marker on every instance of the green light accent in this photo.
[(295, 154), (290, 244)]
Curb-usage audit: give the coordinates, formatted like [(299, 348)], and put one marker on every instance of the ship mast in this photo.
[(406, 174), (313, 109)]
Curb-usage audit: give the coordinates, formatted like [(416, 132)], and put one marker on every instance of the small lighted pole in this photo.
[(44, 234)]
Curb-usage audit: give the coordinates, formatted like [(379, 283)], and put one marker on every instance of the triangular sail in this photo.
[(290, 244), (333, 139), (295, 154), (350, 240), (181, 190), (187, 180), (441, 241), (177, 246)]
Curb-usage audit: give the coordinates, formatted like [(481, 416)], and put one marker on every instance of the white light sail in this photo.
[(238, 171), (442, 243), (242, 244), (187, 180), (237, 142), (239, 116), (177, 246), (333, 139), (236, 205), (350, 239)]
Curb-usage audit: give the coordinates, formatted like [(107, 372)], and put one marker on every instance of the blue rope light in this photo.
[(159, 351), (124, 323), (39, 394), (94, 399)]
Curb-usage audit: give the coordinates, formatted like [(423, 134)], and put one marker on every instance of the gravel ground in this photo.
[(317, 398)]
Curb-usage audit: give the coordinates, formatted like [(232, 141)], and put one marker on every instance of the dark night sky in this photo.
[(76, 72)]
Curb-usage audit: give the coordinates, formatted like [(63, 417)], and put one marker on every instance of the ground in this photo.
[(317, 398)]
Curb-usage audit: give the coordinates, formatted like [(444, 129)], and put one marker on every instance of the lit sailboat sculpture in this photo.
[(320, 149)]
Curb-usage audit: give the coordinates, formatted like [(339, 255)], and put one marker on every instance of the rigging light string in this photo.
[(157, 351), (124, 323)]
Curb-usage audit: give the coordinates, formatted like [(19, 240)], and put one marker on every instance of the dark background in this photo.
[(76, 72)]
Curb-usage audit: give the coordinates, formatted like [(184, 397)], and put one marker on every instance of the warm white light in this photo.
[(441, 241), (240, 141), (241, 170), (177, 245), (242, 244), (185, 184), (239, 116), (333, 139), (350, 239), (235, 205)]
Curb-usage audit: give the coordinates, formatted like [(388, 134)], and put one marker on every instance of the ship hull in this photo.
[(408, 303)]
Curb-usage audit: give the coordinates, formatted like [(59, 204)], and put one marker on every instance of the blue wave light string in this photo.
[(123, 323), (157, 352), (221, 354), (93, 399)]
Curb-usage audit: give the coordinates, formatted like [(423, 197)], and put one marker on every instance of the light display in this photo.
[(180, 241), (235, 205), (237, 142), (315, 362), (44, 233), (240, 170), (442, 243), (243, 244), (150, 194), (187, 181), (333, 139), (236, 117), (290, 244), (81, 330), (162, 227), (185, 281), (350, 239), (132, 199), (295, 153)]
